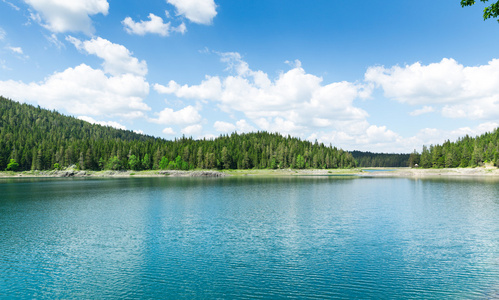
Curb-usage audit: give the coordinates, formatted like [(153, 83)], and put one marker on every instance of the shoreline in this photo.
[(487, 171)]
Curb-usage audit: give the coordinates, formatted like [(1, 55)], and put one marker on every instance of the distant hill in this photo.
[(40, 139)]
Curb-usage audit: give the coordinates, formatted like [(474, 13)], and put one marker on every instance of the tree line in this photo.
[(32, 138), (465, 152), (380, 160)]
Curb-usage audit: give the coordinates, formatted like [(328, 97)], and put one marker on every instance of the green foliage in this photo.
[(102, 163), (491, 11), (381, 160), (13, 165), (146, 162), (273, 164), (133, 162), (465, 152), (163, 164), (57, 166), (300, 162), (114, 163), (38, 139)]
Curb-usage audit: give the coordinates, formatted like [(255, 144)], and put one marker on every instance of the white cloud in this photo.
[(139, 131), (221, 126), (192, 130), (169, 131), (210, 88), (11, 5), (2, 33), (103, 123), (362, 136), (465, 92), (244, 126), (182, 29), (241, 126), (68, 16), (84, 91), (55, 41), (17, 50), (117, 58), (478, 130), (279, 125), (185, 116), (380, 134), (295, 102), (434, 136), (197, 11), (155, 25), (426, 109), (118, 90)]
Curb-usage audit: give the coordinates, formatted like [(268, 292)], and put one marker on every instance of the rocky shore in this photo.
[(80, 173)]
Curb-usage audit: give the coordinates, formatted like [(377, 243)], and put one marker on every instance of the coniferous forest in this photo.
[(32, 138), (465, 152), (380, 160)]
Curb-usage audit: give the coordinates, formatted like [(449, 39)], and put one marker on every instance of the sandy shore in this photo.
[(366, 172)]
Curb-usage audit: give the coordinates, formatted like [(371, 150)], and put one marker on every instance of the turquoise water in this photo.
[(246, 238)]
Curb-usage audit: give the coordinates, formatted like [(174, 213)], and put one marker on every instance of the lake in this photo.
[(247, 238)]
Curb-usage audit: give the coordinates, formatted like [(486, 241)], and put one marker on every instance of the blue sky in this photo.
[(382, 76)]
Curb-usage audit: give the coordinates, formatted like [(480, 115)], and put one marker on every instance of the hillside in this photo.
[(40, 139), (465, 152)]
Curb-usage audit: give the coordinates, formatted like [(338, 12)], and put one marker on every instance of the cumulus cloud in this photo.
[(425, 110), (180, 28), (192, 130), (67, 16), (196, 11), (210, 88), (169, 131), (84, 91), (155, 25), (103, 123), (185, 116), (117, 90), (434, 136), (362, 136), (117, 58), (380, 134), (241, 126), (464, 92), (221, 126), (294, 102)]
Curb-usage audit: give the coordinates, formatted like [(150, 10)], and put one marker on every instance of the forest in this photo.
[(32, 138), (380, 160), (465, 152)]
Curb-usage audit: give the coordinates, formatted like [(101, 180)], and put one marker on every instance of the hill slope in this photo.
[(39, 139), (465, 152)]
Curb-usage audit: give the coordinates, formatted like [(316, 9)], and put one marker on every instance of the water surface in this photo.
[(184, 238)]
